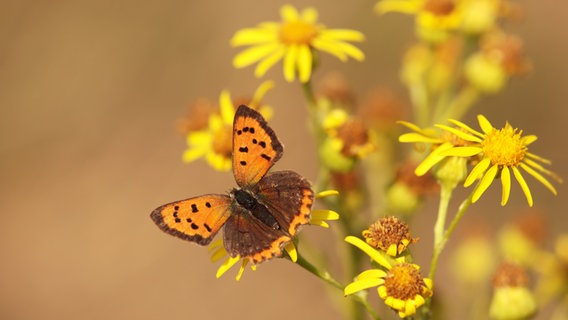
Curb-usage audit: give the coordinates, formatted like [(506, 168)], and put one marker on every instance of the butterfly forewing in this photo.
[(196, 219), (255, 146)]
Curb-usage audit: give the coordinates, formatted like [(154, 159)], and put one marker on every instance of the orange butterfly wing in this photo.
[(195, 219), (255, 146)]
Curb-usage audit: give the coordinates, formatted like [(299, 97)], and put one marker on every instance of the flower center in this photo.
[(223, 141), (298, 32), (404, 282), (504, 147)]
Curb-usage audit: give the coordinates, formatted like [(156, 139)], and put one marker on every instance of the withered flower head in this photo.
[(390, 235)]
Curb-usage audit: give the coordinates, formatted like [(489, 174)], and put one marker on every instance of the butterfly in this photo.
[(260, 216)]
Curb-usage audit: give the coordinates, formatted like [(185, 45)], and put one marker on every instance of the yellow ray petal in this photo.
[(254, 54), (466, 127), (309, 15), (253, 36), (462, 152), (361, 285), (529, 139), (506, 185), (484, 124), (370, 251), (345, 48), (464, 135), (344, 34), (322, 214), (485, 182), (324, 45), (289, 13), (539, 177), (193, 154), (290, 58), (326, 193), (291, 250), (523, 185), (432, 159), (241, 269), (265, 64), (371, 273), (417, 137), (261, 91), (227, 107), (304, 63), (227, 265), (477, 172)]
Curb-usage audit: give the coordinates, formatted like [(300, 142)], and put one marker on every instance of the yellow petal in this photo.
[(484, 124), (361, 285), (466, 127), (290, 58), (485, 182), (329, 47), (432, 159), (417, 137), (529, 139), (241, 269), (462, 152), (289, 13), (253, 36), (465, 136), (506, 185), (319, 223), (344, 34), (324, 215), (193, 154), (291, 250), (261, 91), (477, 172), (523, 185), (309, 15), (371, 273), (326, 193), (227, 107), (227, 265), (304, 63), (345, 48), (265, 64), (254, 54), (539, 177), (403, 6), (370, 251)]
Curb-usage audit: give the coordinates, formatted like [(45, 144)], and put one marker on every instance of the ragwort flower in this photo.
[(494, 153), (295, 41), (501, 151), (398, 282), (215, 141)]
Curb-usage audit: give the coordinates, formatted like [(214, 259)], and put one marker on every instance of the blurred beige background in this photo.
[(89, 94)]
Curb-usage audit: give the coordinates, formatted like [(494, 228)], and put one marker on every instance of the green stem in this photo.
[(326, 277), (459, 106)]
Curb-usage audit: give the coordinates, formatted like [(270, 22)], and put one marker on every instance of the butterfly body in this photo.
[(261, 215)]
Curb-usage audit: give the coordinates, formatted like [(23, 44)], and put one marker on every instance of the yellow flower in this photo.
[(512, 299), (502, 151), (215, 142), (435, 19), (294, 40), (317, 218), (398, 282), (495, 152)]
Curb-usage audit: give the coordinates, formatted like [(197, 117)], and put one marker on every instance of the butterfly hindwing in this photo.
[(250, 238), (196, 219), (255, 146), (288, 196)]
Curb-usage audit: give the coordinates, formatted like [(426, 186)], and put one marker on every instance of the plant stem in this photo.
[(325, 276)]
